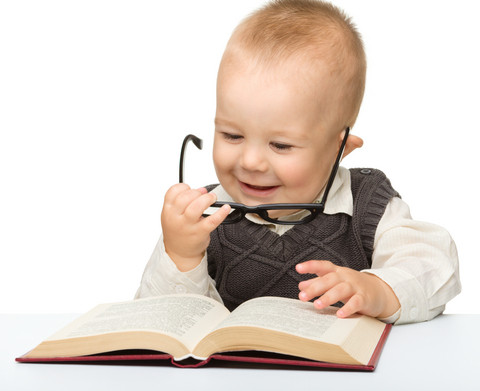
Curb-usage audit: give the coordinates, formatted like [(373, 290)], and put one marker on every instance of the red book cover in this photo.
[(230, 359)]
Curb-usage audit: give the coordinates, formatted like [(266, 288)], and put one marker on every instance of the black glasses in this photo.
[(296, 210)]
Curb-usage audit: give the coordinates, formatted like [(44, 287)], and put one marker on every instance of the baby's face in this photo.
[(273, 141)]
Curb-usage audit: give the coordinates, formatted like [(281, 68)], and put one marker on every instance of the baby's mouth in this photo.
[(259, 187), (256, 190)]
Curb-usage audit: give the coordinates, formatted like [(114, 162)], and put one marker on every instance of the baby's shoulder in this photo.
[(367, 173), (371, 185), (371, 177)]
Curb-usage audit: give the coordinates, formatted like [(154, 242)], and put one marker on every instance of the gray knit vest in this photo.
[(247, 260)]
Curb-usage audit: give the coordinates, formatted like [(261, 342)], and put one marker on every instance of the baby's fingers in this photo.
[(319, 268), (302, 285), (174, 191), (317, 286), (213, 221), (340, 292), (356, 304), (197, 206), (180, 196), (186, 199)]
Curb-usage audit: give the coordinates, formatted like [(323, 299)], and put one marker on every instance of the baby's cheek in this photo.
[(296, 179), (303, 183), (223, 161), (296, 173)]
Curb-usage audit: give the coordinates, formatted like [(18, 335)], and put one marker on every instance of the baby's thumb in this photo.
[(217, 218)]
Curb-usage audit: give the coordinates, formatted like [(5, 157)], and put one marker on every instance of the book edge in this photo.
[(220, 357), (379, 348)]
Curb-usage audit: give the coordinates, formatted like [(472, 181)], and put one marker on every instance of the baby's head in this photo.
[(290, 82)]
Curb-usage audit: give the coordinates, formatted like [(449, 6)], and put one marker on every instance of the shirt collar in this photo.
[(340, 199)]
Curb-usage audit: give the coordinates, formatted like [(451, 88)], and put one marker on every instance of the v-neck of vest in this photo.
[(291, 240)]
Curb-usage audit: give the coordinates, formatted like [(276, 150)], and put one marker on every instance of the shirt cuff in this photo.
[(162, 277), (199, 273), (409, 292), (192, 281), (392, 318)]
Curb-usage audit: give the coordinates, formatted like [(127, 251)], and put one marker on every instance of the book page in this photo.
[(184, 317), (284, 315)]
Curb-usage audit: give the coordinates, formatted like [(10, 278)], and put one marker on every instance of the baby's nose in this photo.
[(253, 159)]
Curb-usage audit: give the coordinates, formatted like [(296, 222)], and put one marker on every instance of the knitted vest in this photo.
[(247, 260)]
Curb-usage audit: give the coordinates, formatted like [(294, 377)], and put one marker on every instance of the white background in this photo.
[(96, 97)]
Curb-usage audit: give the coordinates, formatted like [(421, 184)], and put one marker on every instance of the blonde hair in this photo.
[(312, 30)]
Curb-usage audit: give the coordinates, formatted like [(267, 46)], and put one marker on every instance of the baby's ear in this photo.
[(353, 142)]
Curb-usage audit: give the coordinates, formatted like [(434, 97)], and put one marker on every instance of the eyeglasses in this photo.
[(239, 211)]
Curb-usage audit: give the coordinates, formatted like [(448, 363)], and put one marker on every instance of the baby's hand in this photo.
[(360, 292), (186, 234)]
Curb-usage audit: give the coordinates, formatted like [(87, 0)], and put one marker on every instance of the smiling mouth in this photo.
[(259, 187), (256, 190)]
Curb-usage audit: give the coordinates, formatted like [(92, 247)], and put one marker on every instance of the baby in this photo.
[(289, 89)]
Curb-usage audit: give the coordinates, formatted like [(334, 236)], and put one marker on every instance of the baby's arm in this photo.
[(161, 277), (186, 234), (185, 228), (418, 261)]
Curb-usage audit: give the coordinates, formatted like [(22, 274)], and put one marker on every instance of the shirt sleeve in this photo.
[(418, 260), (161, 277)]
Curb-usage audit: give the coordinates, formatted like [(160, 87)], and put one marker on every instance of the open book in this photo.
[(193, 326)]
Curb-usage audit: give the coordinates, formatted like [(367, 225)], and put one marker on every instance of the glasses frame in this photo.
[(262, 209), (198, 142)]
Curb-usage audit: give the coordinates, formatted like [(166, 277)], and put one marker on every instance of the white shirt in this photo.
[(418, 260)]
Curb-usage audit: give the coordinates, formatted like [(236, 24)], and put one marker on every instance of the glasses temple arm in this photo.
[(198, 143), (335, 167)]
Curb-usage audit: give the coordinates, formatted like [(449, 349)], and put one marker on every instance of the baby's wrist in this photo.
[(184, 263), (391, 303)]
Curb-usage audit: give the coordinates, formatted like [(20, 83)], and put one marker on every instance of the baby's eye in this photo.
[(231, 136), (281, 147)]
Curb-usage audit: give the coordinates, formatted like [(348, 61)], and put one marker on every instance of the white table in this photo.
[(443, 354)]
